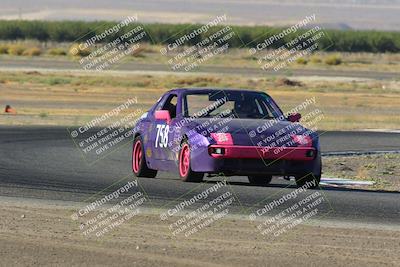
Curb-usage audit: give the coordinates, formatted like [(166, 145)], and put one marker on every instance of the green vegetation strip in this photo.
[(249, 36)]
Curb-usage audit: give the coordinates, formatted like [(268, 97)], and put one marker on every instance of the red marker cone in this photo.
[(10, 110)]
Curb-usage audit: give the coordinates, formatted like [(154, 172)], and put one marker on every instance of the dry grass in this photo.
[(147, 53), (34, 51), (74, 98)]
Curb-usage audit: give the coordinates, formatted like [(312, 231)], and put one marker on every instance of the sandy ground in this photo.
[(44, 234)]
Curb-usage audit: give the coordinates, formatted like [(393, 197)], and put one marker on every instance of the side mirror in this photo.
[(294, 117), (162, 115)]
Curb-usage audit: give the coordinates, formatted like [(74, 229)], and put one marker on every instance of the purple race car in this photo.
[(230, 131)]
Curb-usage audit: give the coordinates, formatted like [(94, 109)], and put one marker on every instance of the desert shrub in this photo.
[(43, 115), (333, 60), (199, 81), (138, 52), (315, 59), (77, 50), (3, 49), (57, 52), (57, 80), (34, 51), (16, 50), (286, 82), (301, 61)]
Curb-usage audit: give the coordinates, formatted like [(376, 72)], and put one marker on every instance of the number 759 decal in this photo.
[(162, 135)]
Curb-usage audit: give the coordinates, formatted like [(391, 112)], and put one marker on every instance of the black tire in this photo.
[(188, 175), (141, 169), (310, 179), (259, 179)]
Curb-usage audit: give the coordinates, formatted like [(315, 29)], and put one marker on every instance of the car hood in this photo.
[(251, 132)]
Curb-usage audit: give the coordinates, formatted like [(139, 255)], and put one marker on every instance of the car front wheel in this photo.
[(185, 170)]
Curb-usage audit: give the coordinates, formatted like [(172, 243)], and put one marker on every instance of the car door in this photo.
[(162, 131)]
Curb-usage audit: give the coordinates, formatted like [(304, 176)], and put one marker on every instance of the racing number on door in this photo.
[(162, 135)]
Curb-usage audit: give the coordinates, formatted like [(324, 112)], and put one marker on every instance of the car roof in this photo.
[(206, 89)]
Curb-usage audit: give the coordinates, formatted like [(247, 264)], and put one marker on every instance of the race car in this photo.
[(233, 132)]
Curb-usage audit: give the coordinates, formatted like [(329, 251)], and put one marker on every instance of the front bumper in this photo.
[(255, 152), (248, 160)]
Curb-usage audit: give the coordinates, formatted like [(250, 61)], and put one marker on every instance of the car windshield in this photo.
[(237, 104)]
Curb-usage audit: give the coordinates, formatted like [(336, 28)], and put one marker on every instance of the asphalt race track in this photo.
[(42, 162)]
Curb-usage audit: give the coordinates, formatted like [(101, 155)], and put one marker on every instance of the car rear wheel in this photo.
[(260, 179), (185, 170), (310, 180), (139, 165)]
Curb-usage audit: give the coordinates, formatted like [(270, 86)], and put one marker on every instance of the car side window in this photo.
[(259, 108), (170, 105), (160, 103)]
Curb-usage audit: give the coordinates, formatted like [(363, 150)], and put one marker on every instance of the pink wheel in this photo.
[(184, 161), (139, 165), (185, 169), (137, 156)]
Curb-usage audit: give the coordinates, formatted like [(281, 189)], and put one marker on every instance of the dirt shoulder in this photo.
[(45, 234), (382, 169)]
